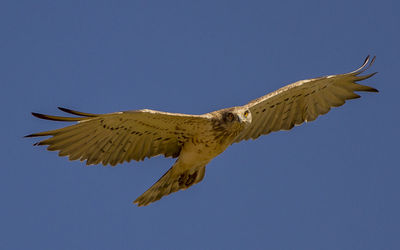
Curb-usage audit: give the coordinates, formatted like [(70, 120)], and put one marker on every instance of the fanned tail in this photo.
[(173, 180)]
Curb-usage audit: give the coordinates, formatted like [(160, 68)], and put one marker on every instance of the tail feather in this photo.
[(173, 180)]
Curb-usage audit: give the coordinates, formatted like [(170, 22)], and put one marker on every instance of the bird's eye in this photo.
[(246, 113), (230, 117)]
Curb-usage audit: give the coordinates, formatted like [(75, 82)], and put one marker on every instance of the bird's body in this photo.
[(194, 139)]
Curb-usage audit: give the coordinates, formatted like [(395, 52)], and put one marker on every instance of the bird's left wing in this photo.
[(122, 136), (303, 101)]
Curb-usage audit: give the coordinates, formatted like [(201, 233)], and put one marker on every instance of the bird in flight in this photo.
[(195, 140)]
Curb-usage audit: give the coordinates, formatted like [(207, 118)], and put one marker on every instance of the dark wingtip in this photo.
[(364, 67), (366, 59), (41, 116), (373, 90), (63, 109), (373, 60), (36, 135), (74, 112)]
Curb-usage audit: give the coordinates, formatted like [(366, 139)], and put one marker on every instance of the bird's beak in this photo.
[(243, 119)]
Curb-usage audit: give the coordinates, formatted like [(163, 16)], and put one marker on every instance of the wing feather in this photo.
[(83, 152), (121, 150), (117, 137), (303, 101), (93, 155)]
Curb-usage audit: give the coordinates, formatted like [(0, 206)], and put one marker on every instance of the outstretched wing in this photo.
[(303, 101), (117, 137)]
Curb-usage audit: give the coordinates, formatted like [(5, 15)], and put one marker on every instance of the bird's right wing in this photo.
[(122, 136), (303, 101)]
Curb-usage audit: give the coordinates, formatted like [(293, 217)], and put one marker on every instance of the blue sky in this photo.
[(329, 184)]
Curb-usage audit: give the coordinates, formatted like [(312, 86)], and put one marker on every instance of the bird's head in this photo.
[(242, 116), (236, 117), (231, 120)]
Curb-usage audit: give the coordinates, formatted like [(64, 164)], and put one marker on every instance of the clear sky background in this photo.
[(330, 184)]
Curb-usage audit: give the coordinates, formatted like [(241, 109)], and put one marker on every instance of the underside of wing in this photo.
[(303, 101), (118, 137)]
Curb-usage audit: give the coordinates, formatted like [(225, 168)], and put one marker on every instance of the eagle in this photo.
[(195, 140)]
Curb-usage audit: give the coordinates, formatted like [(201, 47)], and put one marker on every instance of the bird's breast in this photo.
[(201, 150)]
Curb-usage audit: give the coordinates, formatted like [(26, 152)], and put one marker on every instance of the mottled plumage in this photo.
[(195, 140)]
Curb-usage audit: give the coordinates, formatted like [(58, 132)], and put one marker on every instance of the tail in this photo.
[(173, 180)]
